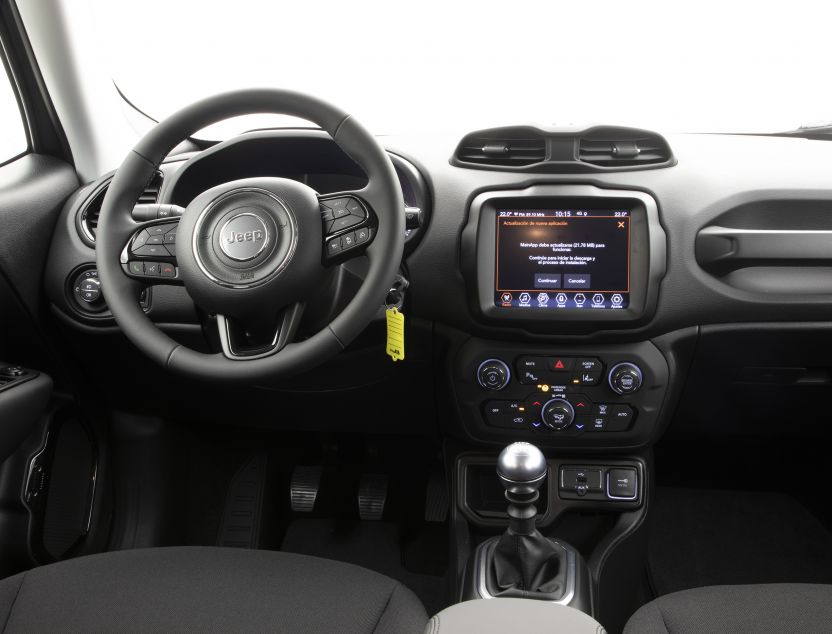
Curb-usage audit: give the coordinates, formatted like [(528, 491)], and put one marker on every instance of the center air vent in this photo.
[(564, 150), (512, 147), (619, 147), (88, 217)]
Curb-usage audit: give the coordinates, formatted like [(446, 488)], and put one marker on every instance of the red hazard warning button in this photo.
[(560, 364)]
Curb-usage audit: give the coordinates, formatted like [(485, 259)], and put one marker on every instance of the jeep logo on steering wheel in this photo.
[(248, 236), (243, 237)]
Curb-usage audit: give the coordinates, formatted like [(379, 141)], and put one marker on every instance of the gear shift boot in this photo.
[(528, 567)]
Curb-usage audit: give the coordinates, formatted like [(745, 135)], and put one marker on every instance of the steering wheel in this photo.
[(252, 252)]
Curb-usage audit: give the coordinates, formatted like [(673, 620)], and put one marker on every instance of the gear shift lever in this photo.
[(522, 469), (524, 563)]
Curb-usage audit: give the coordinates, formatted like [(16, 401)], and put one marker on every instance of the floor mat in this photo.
[(373, 545), (708, 537)]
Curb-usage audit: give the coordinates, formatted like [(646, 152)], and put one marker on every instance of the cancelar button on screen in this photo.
[(547, 280), (576, 281)]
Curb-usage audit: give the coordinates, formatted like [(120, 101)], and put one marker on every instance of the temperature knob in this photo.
[(625, 378), (557, 414)]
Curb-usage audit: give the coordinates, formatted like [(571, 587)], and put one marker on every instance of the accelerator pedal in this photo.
[(303, 490), (372, 495), (240, 527)]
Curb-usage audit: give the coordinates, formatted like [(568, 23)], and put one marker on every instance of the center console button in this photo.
[(588, 365), (508, 414), (600, 409), (587, 371), (531, 370), (580, 479), (622, 484), (581, 404), (619, 418), (493, 374), (560, 364)]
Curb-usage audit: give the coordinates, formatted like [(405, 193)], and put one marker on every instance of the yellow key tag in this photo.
[(395, 334)]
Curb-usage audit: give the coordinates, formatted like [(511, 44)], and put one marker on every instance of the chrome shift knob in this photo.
[(521, 468)]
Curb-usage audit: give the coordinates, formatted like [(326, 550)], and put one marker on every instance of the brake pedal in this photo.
[(372, 495), (303, 490)]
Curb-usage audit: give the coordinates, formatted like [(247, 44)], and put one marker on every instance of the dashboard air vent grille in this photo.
[(502, 148), (90, 213), (612, 149)]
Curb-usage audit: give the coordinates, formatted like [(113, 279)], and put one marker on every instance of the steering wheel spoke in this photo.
[(251, 338), (349, 225), (149, 254)]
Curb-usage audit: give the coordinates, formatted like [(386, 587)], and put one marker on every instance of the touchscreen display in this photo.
[(565, 258)]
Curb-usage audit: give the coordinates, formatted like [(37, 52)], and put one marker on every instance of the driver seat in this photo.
[(207, 589)]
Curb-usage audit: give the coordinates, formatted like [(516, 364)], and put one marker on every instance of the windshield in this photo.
[(443, 65)]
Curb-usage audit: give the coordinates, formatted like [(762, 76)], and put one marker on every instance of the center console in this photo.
[(554, 273)]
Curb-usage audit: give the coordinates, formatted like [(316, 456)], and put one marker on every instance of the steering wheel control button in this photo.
[(333, 247), (244, 237), (151, 251), (151, 269), (339, 224), (140, 240), (158, 230), (166, 269), (13, 371), (622, 484), (362, 235), (557, 414), (135, 267), (493, 375), (625, 378)]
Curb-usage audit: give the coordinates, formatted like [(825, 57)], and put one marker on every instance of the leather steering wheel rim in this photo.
[(384, 254)]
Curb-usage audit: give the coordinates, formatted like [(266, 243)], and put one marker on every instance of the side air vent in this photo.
[(88, 218), (623, 148), (510, 147)]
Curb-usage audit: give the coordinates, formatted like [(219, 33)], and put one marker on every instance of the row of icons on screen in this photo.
[(543, 299)]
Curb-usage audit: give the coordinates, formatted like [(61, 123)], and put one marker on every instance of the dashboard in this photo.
[(566, 271)]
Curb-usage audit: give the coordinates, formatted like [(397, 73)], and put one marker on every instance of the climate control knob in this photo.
[(557, 414), (625, 378), (493, 374)]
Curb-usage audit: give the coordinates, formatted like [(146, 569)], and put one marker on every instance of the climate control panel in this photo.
[(571, 395)]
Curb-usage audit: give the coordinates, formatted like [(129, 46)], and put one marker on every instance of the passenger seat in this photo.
[(767, 608)]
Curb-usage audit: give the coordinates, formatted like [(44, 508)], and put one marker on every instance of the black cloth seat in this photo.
[(765, 608), (207, 589)]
